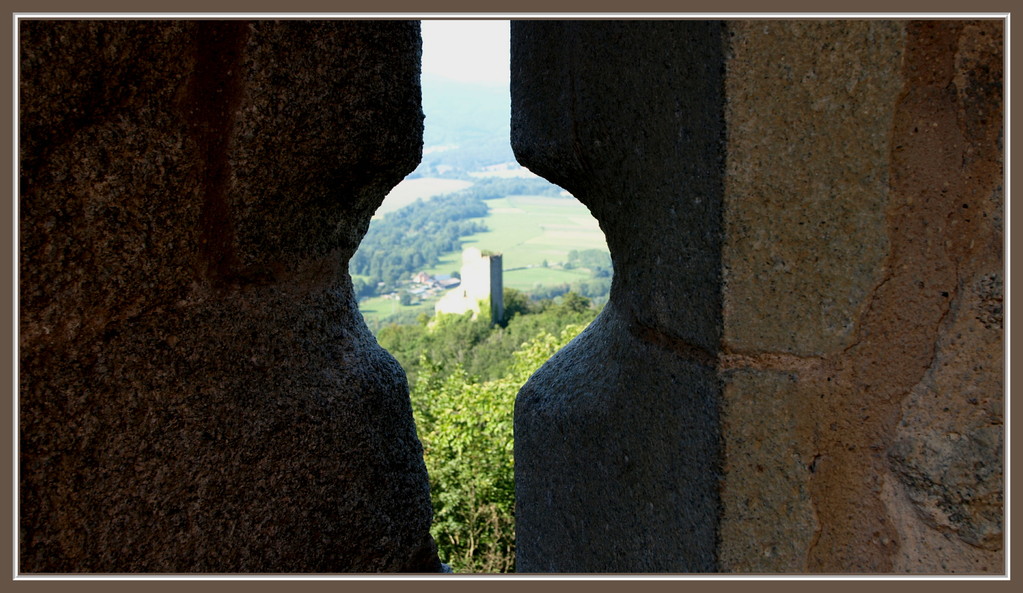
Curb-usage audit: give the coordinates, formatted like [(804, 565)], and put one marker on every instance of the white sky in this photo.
[(467, 50)]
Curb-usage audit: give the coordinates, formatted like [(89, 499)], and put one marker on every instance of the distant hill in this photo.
[(468, 127)]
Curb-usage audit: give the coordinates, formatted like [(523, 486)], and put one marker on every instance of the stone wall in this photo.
[(800, 367), (197, 389), (863, 336), (617, 437)]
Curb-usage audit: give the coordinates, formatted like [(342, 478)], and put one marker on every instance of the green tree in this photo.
[(574, 302), (515, 303), (465, 426)]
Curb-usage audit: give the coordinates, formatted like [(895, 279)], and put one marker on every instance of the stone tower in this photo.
[(481, 282)]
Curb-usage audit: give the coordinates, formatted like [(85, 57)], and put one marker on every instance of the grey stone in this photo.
[(198, 390), (617, 437)]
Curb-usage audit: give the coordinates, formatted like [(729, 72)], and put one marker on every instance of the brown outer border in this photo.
[(435, 9)]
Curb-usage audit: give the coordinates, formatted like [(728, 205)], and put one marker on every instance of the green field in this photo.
[(410, 190), (527, 279), (527, 230), (380, 307)]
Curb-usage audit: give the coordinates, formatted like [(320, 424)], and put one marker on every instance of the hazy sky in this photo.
[(467, 50)]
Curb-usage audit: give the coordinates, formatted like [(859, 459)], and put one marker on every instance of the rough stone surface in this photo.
[(825, 291), (767, 526), (800, 367), (620, 476), (884, 307), (806, 237), (946, 457), (198, 391), (617, 436), (947, 453), (809, 120)]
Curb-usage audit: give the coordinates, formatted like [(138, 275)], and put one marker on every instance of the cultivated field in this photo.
[(529, 230), (410, 190), (379, 307)]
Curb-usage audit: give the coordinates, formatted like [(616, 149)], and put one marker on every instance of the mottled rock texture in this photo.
[(617, 437), (863, 266), (801, 365), (810, 112), (198, 391)]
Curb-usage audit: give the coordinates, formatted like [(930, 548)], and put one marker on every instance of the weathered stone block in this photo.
[(767, 516), (617, 437), (809, 108), (835, 262), (198, 390)]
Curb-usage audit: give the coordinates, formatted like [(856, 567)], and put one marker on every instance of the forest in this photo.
[(412, 238), (430, 234), (464, 375)]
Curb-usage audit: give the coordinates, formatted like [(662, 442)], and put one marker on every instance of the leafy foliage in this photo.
[(465, 425), (465, 375), (481, 350)]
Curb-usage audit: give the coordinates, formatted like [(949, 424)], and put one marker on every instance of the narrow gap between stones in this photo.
[(473, 273)]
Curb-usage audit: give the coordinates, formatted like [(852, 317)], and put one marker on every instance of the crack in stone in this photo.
[(771, 361)]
